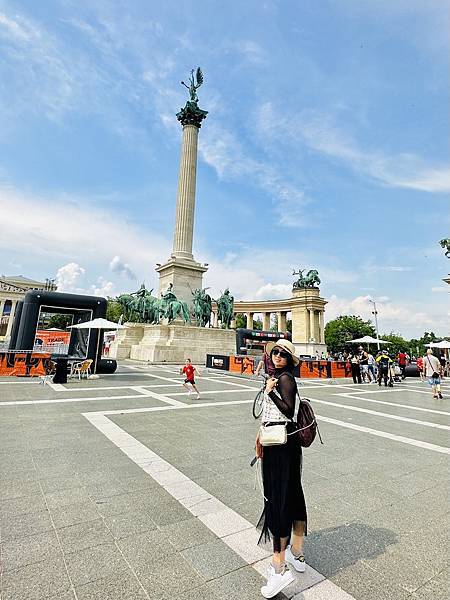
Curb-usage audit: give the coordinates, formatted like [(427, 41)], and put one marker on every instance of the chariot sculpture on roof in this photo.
[(310, 280)]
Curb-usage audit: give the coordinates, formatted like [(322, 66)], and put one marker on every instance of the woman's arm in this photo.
[(287, 388)]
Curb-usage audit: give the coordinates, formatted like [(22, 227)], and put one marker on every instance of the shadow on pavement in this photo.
[(335, 548)]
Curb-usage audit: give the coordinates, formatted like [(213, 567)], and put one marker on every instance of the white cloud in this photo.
[(271, 291), (67, 277), (121, 268), (73, 230), (252, 52), (408, 318), (103, 288), (221, 150), (318, 132), (15, 29), (440, 289)]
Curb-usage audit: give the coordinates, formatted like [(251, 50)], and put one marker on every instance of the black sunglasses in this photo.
[(280, 353)]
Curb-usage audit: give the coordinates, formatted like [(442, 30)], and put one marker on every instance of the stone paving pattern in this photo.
[(80, 520)]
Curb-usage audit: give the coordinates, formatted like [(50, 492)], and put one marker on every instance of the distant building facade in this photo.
[(12, 290)]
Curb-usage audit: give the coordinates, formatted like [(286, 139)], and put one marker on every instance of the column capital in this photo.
[(191, 114)]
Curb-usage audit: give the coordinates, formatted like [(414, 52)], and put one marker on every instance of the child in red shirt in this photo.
[(189, 370)]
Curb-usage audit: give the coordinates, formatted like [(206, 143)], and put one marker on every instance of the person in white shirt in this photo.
[(432, 370)]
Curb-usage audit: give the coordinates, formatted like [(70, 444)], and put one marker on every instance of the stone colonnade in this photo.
[(307, 312)]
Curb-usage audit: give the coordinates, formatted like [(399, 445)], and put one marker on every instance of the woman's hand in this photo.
[(270, 384), (258, 448)]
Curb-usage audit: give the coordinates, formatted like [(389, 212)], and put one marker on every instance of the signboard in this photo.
[(50, 338), (23, 364), (242, 364), (218, 361)]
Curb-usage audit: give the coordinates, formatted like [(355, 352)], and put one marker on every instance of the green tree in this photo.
[(274, 326), (427, 338), (346, 327), (397, 343), (113, 310), (59, 321), (257, 324), (241, 321), (289, 325)]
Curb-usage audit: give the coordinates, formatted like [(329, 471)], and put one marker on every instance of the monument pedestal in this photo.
[(125, 339), (175, 342), (184, 274)]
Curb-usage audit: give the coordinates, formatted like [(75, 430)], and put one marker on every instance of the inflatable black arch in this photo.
[(26, 319)]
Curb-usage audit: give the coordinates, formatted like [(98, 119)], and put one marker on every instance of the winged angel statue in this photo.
[(194, 84)]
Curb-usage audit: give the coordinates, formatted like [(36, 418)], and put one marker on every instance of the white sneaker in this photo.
[(198, 396), (189, 392), (276, 582), (298, 563)]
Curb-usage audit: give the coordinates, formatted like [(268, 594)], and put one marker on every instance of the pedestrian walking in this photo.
[(190, 371), (420, 367), (284, 518), (372, 367), (384, 362), (356, 371), (402, 360), (432, 370)]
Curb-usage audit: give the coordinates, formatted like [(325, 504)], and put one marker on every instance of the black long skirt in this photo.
[(284, 502)]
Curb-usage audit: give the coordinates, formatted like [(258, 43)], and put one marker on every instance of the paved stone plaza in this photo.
[(126, 488)]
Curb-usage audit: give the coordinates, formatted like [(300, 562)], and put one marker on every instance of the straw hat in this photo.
[(285, 345)]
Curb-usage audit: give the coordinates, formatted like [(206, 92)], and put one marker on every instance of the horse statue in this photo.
[(225, 306), (177, 308), (126, 301), (169, 307), (138, 307), (202, 307), (445, 243), (312, 278), (309, 280)]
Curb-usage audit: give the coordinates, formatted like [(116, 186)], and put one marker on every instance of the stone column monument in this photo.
[(181, 269), (174, 342)]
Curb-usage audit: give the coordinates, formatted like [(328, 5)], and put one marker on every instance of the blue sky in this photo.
[(326, 145)]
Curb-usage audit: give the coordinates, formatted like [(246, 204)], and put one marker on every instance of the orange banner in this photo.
[(52, 337), (242, 364), (23, 364), (307, 369)]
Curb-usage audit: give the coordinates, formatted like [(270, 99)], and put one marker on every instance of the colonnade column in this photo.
[(321, 328), (312, 332), (281, 321), (250, 320), (2, 307), (266, 321), (11, 318)]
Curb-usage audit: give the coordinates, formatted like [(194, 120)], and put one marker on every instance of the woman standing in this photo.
[(356, 371), (284, 517)]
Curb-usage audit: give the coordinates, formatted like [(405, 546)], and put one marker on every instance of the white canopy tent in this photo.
[(101, 324), (443, 344), (368, 339)]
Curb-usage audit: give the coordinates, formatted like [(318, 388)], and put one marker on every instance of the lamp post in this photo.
[(375, 312)]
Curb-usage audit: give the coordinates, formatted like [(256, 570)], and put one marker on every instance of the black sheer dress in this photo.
[(284, 503)]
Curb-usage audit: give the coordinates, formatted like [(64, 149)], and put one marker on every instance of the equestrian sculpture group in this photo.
[(310, 280), (142, 307)]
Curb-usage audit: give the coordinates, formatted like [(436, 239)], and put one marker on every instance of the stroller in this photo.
[(395, 374)]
